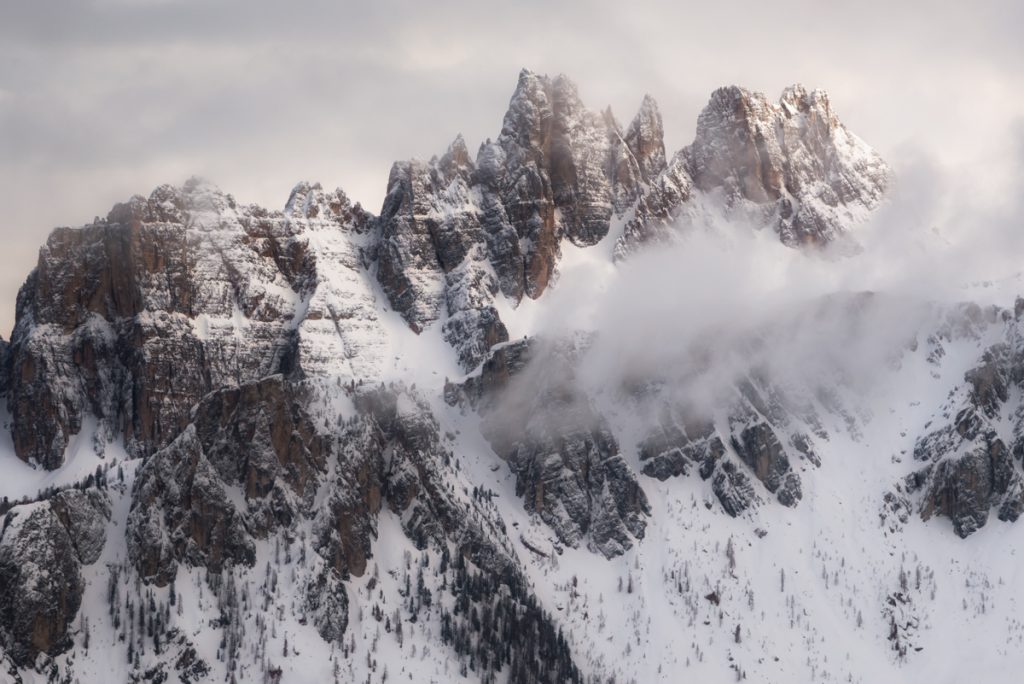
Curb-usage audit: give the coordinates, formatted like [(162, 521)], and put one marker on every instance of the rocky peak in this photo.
[(310, 201), (736, 150), (646, 139), (456, 160), (791, 166), (793, 159), (529, 113), (183, 279)]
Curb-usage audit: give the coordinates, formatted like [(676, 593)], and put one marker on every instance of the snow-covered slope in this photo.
[(522, 426)]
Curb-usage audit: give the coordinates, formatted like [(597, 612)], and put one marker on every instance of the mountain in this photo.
[(320, 444)]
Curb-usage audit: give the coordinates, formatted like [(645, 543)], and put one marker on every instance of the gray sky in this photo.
[(101, 100)]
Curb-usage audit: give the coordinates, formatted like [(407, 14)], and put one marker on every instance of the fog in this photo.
[(727, 300)]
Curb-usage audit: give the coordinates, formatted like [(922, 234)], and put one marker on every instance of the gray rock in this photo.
[(42, 548), (255, 440), (84, 514), (732, 488), (758, 447), (567, 463), (791, 166)]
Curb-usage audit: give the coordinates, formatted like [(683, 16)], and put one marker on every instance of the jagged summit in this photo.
[(791, 166), (451, 237)]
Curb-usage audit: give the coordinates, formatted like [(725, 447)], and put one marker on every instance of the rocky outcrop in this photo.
[(759, 447), (252, 464), (765, 437), (84, 515), (249, 463), (658, 211), (971, 470), (791, 166), (567, 463), (673, 448), (432, 256), (43, 546), (115, 312)]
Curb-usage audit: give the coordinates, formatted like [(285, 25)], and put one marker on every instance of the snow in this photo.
[(808, 586), (81, 460), (837, 564), (799, 594)]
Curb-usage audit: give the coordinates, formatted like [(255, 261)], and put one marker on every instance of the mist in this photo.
[(727, 301)]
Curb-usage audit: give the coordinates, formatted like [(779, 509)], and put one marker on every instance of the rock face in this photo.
[(567, 463), (791, 166), (251, 444), (432, 256), (133, 319), (971, 470), (42, 549), (766, 435), (250, 464)]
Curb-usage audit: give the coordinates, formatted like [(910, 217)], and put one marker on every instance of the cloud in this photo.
[(728, 300)]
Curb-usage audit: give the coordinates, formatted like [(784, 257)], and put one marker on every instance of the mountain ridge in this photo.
[(324, 423)]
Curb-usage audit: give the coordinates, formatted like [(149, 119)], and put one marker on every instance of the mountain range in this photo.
[(323, 444)]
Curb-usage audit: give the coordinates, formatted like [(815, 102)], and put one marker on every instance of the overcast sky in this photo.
[(101, 100)]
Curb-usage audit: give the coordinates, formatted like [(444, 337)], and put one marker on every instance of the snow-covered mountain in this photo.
[(320, 444)]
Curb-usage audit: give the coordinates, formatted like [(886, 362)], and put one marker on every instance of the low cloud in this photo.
[(729, 300)]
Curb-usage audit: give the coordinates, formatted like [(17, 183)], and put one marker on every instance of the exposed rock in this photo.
[(760, 449), (392, 454), (247, 464), (567, 463), (42, 548), (251, 463), (657, 210), (970, 469), (791, 166), (558, 169), (759, 418), (84, 514), (733, 489), (183, 511), (673, 448), (965, 488), (646, 139), (117, 311), (795, 157), (482, 389)]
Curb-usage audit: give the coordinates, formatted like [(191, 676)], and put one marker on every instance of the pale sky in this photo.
[(101, 100)]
